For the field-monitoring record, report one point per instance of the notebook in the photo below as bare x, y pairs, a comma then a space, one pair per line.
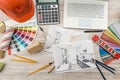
85, 14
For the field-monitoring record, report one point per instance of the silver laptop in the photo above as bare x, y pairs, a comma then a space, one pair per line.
85, 14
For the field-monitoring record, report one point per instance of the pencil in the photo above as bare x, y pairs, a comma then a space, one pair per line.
51, 69
21, 61
100, 71
105, 65
41, 68
31, 60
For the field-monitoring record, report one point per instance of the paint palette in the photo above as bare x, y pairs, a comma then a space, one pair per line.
112, 37
23, 36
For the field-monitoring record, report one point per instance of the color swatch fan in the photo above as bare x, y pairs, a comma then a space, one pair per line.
112, 37
23, 36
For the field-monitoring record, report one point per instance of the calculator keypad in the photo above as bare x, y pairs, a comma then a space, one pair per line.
48, 14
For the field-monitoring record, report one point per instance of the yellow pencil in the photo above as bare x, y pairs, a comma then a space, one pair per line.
31, 60
21, 61
41, 68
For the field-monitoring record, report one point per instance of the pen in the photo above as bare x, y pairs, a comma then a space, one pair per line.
93, 31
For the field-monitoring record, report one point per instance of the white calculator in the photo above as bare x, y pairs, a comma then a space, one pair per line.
47, 12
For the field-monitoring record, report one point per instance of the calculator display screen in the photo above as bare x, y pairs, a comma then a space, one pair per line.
46, 1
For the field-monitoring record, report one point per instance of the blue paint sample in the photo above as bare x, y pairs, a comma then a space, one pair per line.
22, 42
25, 45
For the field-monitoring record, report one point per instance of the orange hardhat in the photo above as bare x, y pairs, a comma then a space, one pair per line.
19, 10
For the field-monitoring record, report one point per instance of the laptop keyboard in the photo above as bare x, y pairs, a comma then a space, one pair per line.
86, 10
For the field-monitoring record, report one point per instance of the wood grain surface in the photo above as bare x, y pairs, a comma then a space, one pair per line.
19, 71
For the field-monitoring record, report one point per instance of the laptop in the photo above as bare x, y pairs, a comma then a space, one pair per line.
85, 14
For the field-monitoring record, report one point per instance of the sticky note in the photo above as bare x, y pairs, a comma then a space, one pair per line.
2, 64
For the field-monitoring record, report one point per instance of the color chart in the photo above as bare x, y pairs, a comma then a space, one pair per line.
112, 37
23, 36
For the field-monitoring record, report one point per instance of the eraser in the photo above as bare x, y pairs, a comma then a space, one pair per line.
2, 53
2, 27
35, 47
2, 65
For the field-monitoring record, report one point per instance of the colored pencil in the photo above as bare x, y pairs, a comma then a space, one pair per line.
41, 68
100, 71
28, 59
106, 67
21, 61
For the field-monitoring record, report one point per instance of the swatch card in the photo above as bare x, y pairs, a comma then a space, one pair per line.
112, 37
23, 36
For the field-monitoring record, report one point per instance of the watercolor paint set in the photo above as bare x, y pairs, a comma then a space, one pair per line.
111, 37
23, 36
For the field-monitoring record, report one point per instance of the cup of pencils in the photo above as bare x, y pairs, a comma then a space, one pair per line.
18, 10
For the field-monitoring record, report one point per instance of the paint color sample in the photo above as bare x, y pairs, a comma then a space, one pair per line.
106, 47
23, 36
112, 37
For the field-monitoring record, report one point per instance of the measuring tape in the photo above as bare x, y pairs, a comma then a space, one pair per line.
110, 50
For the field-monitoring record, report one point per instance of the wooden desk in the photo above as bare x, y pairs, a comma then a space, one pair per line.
19, 71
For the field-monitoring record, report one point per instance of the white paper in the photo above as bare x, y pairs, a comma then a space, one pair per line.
74, 56
57, 35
